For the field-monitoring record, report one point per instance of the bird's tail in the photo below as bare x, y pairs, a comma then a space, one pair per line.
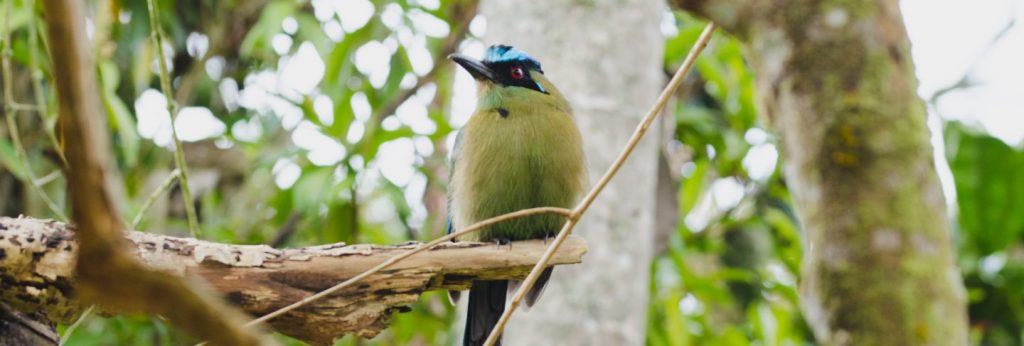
486, 304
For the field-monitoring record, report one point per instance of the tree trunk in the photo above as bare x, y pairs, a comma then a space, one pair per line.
837, 85
606, 57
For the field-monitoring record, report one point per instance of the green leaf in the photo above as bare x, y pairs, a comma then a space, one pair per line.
380, 136
110, 75
311, 31
119, 117
990, 191
257, 41
124, 124
9, 159
311, 189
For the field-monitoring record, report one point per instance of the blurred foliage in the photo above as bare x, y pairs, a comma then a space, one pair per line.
990, 197
259, 180
727, 275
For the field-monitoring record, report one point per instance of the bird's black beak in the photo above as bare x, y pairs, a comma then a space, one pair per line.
473, 66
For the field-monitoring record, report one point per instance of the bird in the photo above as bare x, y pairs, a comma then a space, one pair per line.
520, 149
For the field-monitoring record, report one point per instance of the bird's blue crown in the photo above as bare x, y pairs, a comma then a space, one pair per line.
502, 53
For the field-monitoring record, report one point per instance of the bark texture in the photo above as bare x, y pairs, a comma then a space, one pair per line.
837, 84
37, 261
606, 57
19, 328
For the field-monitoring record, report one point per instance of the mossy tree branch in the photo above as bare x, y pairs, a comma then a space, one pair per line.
837, 84
36, 258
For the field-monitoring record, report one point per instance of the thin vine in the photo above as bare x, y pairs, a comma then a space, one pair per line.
172, 107
11, 115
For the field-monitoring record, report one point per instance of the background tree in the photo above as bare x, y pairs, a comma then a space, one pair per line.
879, 268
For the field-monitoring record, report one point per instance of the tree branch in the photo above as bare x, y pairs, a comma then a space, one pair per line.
731, 15
36, 258
18, 328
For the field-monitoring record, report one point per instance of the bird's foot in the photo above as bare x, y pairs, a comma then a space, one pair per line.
503, 242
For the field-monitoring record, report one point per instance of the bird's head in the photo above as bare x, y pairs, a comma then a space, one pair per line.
505, 66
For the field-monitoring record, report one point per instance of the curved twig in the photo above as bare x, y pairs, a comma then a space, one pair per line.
572, 216
641, 129
473, 228
78, 322
164, 186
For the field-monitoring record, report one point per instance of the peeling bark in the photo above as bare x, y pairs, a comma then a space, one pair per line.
837, 84
37, 262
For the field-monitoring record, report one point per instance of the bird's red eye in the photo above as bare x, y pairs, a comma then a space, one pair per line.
517, 73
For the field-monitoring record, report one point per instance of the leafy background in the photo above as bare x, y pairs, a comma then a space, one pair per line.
356, 153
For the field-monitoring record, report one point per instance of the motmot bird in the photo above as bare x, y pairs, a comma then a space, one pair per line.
520, 149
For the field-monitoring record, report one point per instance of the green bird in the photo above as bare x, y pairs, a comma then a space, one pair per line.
520, 149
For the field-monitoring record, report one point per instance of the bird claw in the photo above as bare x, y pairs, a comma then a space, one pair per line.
503, 242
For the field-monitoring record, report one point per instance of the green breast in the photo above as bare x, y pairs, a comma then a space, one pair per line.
525, 159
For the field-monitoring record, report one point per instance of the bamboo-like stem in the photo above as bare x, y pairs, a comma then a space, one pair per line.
49, 178
638, 134
164, 186
11, 115
71, 329
172, 107
33, 182
473, 228
22, 107
37, 84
